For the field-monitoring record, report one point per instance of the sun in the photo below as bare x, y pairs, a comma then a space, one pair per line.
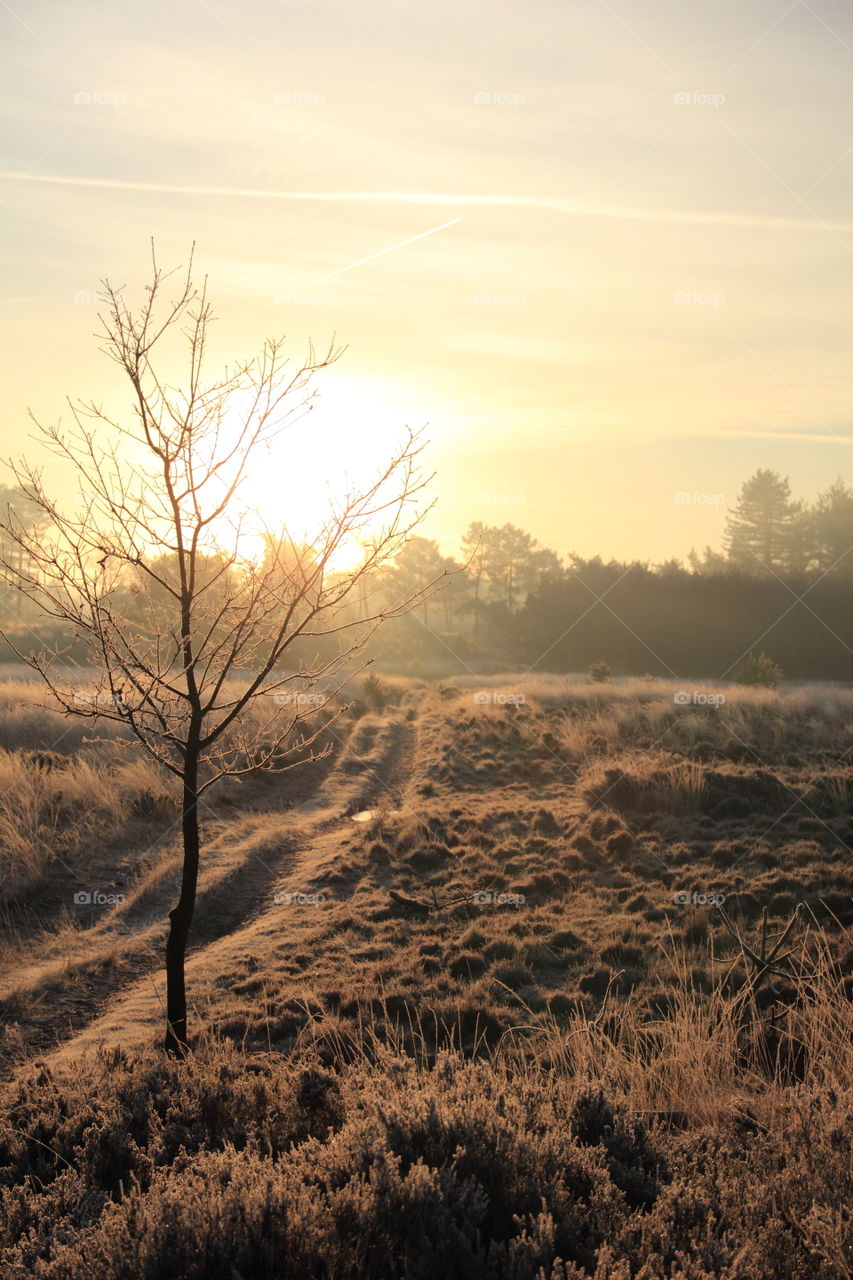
339, 445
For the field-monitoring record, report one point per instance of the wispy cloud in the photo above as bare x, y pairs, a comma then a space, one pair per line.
553, 204
778, 433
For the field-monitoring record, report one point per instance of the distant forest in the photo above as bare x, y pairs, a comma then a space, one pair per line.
781, 584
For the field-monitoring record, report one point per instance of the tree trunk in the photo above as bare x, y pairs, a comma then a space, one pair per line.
180, 917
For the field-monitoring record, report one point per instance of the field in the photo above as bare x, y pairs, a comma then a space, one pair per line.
485, 993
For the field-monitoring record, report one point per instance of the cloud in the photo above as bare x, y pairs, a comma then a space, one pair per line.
552, 204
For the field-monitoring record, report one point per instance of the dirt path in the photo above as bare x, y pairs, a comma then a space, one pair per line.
112, 989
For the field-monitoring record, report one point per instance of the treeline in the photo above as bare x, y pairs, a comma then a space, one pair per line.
673, 622
782, 584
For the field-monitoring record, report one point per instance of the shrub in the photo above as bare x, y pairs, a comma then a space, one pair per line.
609, 1146
761, 672
375, 692
600, 673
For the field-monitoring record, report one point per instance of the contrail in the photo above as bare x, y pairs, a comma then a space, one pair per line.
380, 253
804, 437
553, 204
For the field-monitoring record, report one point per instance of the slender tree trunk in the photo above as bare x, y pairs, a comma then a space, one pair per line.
181, 916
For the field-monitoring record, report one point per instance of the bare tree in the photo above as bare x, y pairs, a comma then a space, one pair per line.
187, 632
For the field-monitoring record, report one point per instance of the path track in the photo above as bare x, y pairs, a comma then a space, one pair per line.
65, 1007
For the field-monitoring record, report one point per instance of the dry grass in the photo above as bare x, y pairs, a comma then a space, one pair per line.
574, 1081
594, 720
676, 787
69, 787
582, 1156
65, 809
716, 1053
30, 720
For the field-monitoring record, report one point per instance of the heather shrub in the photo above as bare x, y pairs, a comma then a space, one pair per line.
758, 670
584, 1149
592, 1084
269, 1166
374, 692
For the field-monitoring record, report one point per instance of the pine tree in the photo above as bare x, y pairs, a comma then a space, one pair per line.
761, 532
832, 520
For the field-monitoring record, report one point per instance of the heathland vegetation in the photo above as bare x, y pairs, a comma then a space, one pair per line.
511, 1022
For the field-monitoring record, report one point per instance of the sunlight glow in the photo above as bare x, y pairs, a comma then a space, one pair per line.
338, 446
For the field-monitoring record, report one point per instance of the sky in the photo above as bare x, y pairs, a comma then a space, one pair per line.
602, 251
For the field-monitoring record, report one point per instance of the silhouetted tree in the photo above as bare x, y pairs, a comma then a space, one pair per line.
759, 531
832, 519
475, 553
508, 560
160, 518
419, 562
710, 561
17, 506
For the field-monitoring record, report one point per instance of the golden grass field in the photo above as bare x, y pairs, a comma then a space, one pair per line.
451, 1018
